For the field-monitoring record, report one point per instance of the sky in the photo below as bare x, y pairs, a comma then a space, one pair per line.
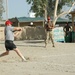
17, 8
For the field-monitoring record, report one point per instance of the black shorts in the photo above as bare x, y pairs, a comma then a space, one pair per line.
9, 45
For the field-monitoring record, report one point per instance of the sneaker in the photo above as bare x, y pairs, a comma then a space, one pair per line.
53, 46
24, 60
45, 45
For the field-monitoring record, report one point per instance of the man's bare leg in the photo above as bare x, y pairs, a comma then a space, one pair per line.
19, 53
4, 54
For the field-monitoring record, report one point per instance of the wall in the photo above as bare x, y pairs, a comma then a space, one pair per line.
35, 33
58, 34
1, 33
27, 33
31, 33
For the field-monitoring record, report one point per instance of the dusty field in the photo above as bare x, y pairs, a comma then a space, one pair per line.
42, 61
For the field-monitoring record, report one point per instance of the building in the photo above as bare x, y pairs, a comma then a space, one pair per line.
33, 28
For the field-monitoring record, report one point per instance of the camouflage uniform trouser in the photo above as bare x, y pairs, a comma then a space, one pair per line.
49, 36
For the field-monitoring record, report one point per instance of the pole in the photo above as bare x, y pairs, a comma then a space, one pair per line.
6, 9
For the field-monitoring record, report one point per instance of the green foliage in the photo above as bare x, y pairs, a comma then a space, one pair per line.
1, 9
39, 6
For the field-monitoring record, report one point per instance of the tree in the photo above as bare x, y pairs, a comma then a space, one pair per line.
1, 9
46, 8
56, 15
39, 7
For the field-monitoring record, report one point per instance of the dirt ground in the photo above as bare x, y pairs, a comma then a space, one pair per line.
41, 61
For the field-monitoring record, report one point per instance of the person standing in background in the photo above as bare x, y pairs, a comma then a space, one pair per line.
67, 29
67, 33
48, 29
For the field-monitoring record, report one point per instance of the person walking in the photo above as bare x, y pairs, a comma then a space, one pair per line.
9, 40
48, 29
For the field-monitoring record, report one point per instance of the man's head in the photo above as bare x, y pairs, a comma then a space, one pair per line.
8, 22
48, 18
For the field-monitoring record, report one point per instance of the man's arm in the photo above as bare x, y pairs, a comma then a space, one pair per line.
64, 29
17, 28
70, 28
50, 25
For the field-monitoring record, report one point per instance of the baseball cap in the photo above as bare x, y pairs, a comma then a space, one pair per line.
8, 22
48, 18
